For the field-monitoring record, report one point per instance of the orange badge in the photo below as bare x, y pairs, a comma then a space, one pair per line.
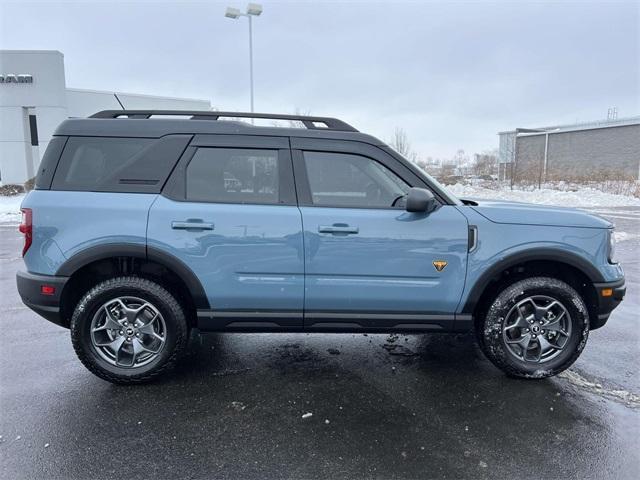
439, 264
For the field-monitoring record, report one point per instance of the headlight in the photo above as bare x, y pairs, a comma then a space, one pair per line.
612, 246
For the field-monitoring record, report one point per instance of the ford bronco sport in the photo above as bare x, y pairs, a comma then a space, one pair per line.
142, 228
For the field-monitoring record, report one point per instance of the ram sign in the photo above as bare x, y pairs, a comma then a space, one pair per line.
12, 78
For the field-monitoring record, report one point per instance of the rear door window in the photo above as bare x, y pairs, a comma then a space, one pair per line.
233, 175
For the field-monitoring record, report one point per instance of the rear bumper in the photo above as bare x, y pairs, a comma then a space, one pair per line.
606, 304
47, 306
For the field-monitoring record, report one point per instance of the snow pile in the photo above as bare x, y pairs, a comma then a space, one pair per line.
10, 208
624, 236
585, 197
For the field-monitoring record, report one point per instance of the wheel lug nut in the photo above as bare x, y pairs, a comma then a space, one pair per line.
526, 329
137, 334
121, 332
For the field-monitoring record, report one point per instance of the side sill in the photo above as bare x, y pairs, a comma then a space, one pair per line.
248, 321
330, 322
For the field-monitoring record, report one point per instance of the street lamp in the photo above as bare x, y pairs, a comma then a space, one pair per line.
253, 9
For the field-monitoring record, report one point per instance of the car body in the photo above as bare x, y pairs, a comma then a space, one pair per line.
317, 229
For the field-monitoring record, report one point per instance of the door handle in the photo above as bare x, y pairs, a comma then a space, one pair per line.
338, 228
192, 225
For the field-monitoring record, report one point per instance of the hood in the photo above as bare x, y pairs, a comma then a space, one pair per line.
528, 214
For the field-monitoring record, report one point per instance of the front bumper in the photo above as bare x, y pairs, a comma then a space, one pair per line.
47, 306
607, 303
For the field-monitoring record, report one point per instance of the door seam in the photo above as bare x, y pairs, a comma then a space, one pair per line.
304, 252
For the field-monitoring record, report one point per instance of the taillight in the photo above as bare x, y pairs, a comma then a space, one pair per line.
26, 228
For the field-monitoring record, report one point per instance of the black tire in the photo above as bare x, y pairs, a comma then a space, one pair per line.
176, 335
493, 343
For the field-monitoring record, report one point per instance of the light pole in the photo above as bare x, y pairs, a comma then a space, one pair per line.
253, 9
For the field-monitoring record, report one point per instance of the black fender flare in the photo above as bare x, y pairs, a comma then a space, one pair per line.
535, 254
172, 263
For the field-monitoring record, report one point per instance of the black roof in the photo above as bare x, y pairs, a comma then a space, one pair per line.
141, 123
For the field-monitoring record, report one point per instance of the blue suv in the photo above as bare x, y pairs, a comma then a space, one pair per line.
146, 224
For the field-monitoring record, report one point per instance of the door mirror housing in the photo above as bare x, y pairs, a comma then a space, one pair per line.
420, 200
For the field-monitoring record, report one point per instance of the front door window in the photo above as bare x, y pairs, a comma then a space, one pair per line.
352, 181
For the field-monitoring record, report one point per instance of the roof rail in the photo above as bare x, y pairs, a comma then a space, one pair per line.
311, 123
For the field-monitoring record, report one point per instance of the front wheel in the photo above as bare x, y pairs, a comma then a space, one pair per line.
128, 330
535, 328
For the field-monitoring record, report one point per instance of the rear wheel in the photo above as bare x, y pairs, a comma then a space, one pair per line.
535, 328
128, 330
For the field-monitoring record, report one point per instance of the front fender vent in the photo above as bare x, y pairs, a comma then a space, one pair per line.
473, 238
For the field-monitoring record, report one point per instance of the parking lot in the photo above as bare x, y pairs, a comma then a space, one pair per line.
423, 406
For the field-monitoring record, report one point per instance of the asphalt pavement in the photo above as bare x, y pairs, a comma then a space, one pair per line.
382, 406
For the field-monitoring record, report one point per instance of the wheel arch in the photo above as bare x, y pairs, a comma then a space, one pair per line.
96, 263
569, 267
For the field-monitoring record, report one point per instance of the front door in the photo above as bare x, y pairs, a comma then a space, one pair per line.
369, 263
229, 213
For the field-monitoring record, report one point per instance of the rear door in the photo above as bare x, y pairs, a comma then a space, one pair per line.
229, 213
369, 263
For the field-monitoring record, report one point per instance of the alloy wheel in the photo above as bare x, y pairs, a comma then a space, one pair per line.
128, 332
537, 329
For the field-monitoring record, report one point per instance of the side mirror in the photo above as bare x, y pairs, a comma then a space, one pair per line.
420, 200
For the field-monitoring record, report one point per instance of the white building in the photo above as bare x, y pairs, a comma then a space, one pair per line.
34, 99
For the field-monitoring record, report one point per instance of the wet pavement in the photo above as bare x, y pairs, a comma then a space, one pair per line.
408, 406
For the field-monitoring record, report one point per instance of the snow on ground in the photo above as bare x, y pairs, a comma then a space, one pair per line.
584, 198
624, 236
10, 209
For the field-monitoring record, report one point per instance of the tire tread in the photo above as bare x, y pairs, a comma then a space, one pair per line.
155, 289
490, 341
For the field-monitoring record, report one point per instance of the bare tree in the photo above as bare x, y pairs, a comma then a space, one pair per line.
447, 171
292, 123
400, 143
485, 163
300, 112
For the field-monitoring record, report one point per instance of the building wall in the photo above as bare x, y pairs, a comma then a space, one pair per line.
51, 102
45, 98
529, 157
609, 152
82, 103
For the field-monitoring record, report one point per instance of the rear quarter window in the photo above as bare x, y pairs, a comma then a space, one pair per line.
49, 163
115, 164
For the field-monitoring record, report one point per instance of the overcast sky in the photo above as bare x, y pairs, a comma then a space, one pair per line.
452, 74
